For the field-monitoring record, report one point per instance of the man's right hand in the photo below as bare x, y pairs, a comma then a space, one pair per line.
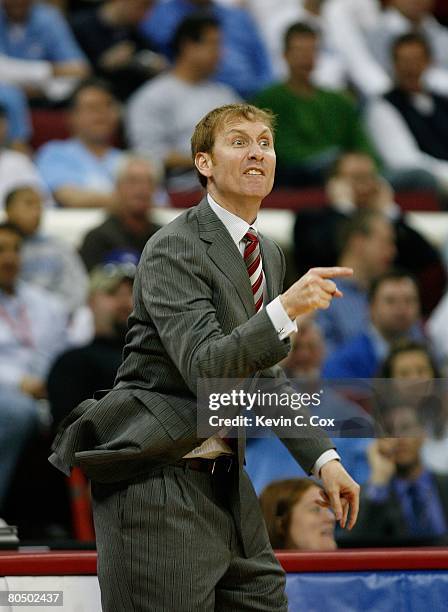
382, 465
313, 290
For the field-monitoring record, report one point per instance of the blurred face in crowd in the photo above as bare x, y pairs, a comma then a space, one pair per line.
404, 449
135, 188
413, 376
111, 309
377, 248
133, 11
410, 61
395, 308
301, 55
17, 10
25, 210
241, 165
307, 352
360, 173
94, 117
311, 527
203, 56
10, 244
415, 10
412, 365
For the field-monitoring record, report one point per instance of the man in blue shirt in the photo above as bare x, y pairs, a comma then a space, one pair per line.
394, 314
35, 31
368, 246
402, 501
245, 64
81, 171
37, 38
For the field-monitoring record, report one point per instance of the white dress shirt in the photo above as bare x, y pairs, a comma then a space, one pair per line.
237, 228
397, 145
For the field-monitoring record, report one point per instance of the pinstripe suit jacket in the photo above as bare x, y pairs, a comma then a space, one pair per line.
194, 317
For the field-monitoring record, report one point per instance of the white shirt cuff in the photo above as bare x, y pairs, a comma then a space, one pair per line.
327, 456
280, 320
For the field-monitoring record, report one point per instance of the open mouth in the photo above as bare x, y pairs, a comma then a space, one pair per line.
254, 172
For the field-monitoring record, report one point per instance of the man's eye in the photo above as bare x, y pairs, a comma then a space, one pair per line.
265, 143
238, 141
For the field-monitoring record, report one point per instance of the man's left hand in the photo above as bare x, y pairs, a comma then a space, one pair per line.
341, 492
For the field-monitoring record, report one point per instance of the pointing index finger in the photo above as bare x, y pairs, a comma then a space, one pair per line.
333, 272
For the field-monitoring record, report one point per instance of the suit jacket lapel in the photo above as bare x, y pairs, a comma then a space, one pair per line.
271, 273
225, 254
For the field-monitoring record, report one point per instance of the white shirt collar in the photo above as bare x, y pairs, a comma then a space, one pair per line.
236, 226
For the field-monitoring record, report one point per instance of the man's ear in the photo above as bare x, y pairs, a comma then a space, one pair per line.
203, 163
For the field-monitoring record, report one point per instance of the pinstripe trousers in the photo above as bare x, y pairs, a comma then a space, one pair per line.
167, 542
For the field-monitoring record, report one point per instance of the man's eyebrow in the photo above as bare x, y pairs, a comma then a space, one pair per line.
265, 131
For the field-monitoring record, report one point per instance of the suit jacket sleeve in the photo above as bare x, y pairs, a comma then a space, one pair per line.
177, 291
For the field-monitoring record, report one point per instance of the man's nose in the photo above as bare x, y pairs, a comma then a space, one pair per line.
256, 152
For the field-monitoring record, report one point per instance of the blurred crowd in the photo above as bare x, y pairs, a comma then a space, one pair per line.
98, 101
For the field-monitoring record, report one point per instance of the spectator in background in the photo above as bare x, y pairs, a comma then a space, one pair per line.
294, 516
109, 36
244, 64
16, 168
274, 17
35, 32
403, 17
413, 367
80, 171
79, 372
313, 125
46, 262
162, 114
368, 247
409, 125
32, 334
394, 313
128, 227
347, 23
403, 501
355, 185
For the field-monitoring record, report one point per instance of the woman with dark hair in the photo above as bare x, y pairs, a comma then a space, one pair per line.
295, 517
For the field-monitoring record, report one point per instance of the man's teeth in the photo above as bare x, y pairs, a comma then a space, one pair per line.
253, 172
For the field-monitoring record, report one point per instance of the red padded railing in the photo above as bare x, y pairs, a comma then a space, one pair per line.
362, 560
300, 199
84, 562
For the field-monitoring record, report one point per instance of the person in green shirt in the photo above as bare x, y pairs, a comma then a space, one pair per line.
314, 125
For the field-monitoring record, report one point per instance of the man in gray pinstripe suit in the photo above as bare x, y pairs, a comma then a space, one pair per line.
178, 524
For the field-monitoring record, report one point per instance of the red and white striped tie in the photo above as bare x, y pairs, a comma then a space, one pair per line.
252, 259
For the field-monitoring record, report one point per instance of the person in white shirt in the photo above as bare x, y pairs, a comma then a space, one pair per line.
409, 124
32, 333
405, 16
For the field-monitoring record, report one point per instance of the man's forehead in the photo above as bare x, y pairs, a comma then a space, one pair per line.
245, 125
397, 286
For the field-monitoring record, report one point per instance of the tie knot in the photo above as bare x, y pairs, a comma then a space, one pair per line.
251, 235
